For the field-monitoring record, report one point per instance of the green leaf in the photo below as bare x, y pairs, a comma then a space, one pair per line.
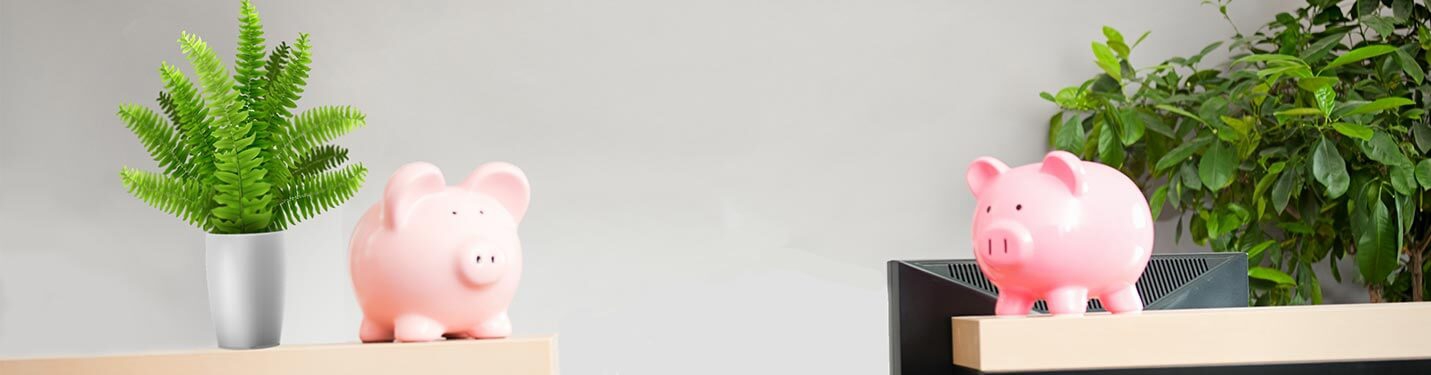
1421, 133
1357, 131
1360, 54
1188, 174
1272, 275
1180, 111
1402, 180
1243, 126
1217, 166
1401, 10
1379, 105
1382, 148
1301, 112
1112, 34
1070, 136
1141, 37
1264, 183
1323, 46
1179, 154
1133, 127
1271, 58
1110, 151
1326, 99
1367, 7
1259, 248
1410, 66
1329, 169
1382, 25
1107, 61
1158, 200
1376, 250
1120, 48
1423, 174
1155, 123
1312, 84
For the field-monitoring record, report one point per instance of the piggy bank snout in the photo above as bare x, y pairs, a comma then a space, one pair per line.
1004, 244
483, 263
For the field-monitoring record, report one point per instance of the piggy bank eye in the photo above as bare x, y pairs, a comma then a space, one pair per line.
454, 212
1019, 207
480, 212
987, 209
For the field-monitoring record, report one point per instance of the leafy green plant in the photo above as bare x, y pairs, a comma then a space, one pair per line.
1309, 146
235, 158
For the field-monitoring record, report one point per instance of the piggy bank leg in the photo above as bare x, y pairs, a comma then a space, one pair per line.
1122, 301
495, 328
1067, 301
413, 328
1013, 303
372, 332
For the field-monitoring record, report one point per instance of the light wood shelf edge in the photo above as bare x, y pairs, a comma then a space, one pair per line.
1196, 337
518, 356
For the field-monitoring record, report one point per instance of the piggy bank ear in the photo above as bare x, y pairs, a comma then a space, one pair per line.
982, 172
1068, 169
504, 182
409, 184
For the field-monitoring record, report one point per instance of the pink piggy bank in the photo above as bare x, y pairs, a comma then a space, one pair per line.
1063, 230
433, 261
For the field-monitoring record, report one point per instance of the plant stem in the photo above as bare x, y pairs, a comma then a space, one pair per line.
1416, 274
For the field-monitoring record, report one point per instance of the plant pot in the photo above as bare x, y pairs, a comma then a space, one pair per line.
245, 273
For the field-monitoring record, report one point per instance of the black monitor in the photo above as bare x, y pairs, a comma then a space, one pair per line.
925, 294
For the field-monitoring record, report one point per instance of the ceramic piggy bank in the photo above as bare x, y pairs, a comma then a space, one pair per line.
433, 261
1063, 230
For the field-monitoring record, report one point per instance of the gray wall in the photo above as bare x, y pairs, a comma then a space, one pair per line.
717, 184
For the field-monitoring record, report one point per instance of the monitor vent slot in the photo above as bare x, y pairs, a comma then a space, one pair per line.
1163, 276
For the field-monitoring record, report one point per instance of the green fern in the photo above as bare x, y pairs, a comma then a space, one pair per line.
191, 116
320, 159
187, 199
318, 193
319, 125
156, 135
234, 157
248, 65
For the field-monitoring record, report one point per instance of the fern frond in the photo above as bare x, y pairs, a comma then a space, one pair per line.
186, 199
272, 111
191, 116
223, 102
282, 97
306, 197
157, 136
278, 96
181, 150
319, 125
242, 194
166, 104
249, 59
320, 159
295, 74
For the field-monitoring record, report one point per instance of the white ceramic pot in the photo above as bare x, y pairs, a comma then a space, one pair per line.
245, 273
